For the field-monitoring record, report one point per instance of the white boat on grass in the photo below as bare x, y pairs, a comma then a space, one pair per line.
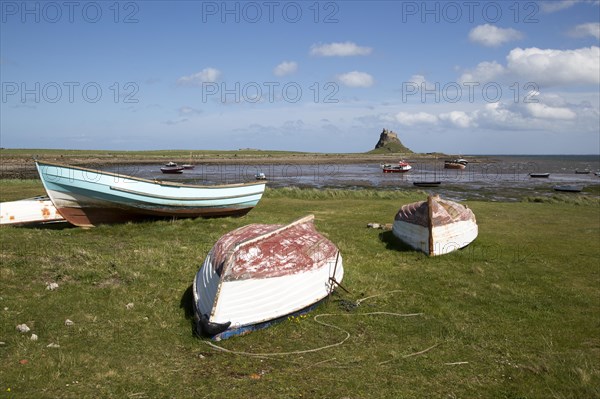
436, 226
88, 197
30, 211
260, 273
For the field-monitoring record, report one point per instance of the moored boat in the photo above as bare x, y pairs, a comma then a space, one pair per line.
539, 175
436, 226
569, 188
459, 163
260, 176
400, 168
88, 197
172, 168
428, 183
29, 211
261, 273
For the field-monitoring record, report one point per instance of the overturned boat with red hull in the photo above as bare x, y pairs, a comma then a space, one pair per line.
87, 197
260, 273
436, 226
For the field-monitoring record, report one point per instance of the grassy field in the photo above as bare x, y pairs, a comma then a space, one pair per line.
514, 315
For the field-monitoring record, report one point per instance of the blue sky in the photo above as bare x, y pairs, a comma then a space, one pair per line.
456, 77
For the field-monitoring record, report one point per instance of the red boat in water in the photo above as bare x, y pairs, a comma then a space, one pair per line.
400, 168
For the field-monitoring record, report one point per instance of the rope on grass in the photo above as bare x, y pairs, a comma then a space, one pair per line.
316, 318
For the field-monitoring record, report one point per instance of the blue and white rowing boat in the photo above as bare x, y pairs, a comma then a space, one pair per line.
88, 197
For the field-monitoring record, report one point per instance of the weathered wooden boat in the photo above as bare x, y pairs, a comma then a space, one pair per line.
30, 211
88, 197
539, 175
402, 167
569, 188
436, 226
432, 183
260, 273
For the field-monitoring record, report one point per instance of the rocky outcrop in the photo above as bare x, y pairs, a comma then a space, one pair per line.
389, 141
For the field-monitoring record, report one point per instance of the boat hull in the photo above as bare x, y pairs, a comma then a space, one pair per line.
396, 170
244, 293
87, 197
436, 226
445, 239
452, 165
31, 211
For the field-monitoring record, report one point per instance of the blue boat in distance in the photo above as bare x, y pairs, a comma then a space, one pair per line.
88, 197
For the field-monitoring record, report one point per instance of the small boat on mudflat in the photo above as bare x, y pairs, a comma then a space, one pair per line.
259, 274
402, 167
436, 226
459, 163
30, 211
569, 188
172, 168
88, 197
539, 175
433, 183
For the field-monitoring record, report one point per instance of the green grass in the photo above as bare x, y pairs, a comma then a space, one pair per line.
514, 315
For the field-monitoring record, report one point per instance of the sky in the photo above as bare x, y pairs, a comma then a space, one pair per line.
459, 77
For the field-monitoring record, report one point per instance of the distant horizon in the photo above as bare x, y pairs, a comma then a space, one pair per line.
295, 151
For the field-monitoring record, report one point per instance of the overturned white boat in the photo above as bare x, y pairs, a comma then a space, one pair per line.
29, 211
260, 273
436, 226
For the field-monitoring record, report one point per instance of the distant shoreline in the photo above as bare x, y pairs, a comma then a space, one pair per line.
19, 163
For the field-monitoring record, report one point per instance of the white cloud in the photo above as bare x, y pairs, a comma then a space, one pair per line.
483, 72
339, 50
458, 119
196, 79
188, 111
408, 119
285, 68
547, 112
589, 29
556, 67
553, 6
417, 79
543, 111
544, 67
492, 36
356, 79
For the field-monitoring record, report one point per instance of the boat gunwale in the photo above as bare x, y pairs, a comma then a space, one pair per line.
165, 197
155, 181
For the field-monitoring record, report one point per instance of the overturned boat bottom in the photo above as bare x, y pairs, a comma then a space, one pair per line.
219, 332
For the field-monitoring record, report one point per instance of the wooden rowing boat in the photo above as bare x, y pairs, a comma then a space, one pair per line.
88, 197
436, 226
261, 273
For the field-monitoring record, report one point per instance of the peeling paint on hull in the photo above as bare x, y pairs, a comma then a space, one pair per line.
436, 226
259, 273
37, 210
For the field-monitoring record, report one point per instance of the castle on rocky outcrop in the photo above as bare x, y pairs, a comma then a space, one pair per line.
389, 140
